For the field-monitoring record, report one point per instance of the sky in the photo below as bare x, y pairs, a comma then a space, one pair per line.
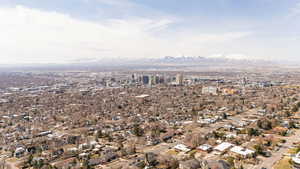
67, 31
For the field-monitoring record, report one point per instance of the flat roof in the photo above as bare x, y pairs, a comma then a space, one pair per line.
142, 96
223, 146
182, 147
296, 159
204, 147
241, 150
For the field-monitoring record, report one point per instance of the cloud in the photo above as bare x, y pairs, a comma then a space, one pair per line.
118, 3
295, 11
34, 36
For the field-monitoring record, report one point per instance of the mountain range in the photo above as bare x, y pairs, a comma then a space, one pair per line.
171, 63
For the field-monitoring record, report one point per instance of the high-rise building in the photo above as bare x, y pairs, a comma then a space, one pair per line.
152, 80
157, 79
145, 80
161, 79
179, 79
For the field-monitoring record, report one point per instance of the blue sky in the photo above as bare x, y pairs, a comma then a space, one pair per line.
51, 31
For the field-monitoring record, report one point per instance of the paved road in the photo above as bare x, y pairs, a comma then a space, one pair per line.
11, 166
7, 164
270, 162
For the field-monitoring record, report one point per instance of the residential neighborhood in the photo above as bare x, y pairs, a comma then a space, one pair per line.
122, 121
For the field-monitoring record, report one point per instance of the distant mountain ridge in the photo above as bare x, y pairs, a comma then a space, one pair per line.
170, 63
207, 60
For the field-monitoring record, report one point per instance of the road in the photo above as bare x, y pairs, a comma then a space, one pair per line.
276, 156
8, 164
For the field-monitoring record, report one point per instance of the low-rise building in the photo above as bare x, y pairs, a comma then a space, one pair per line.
296, 161
182, 147
205, 147
242, 152
223, 147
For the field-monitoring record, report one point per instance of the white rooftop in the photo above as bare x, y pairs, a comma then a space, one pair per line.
242, 151
182, 147
142, 96
204, 147
223, 146
231, 135
296, 159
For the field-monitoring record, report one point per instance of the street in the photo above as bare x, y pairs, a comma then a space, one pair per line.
276, 156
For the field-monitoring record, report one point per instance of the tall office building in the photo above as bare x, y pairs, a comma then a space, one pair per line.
161, 79
145, 80
152, 80
156, 77
179, 79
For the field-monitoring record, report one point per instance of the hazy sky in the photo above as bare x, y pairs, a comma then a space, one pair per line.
59, 31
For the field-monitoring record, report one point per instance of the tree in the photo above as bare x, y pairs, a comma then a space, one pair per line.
74, 162
259, 149
110, 138
168, 162
98, 135
194, 113
292, 124
128, 149
264, 124
137, 130
38, 164
295, 108
29, 160
155, 132
86, 164
218, 135
230, 161
298, 104
253, 132
287, 113
196, 140
224, 115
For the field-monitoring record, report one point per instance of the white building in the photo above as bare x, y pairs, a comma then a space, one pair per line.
142, 96
205, 147
245, 153
179, 79
182, 147
223, 146
210, 90
19, 152
296, 161
231, 135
